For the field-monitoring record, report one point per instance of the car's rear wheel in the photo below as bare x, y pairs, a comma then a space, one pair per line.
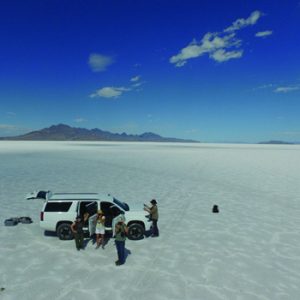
135, 231
64, 231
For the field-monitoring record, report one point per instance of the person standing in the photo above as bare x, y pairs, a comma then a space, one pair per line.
77, 229
100, 229
120, 238
153, 210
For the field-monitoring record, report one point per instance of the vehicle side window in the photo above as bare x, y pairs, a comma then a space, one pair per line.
115, 211
58, 206
110, 211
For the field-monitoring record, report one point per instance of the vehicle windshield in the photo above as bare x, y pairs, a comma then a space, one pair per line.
123, 205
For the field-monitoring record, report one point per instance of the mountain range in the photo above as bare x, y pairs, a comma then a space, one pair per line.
63, 132
273, 142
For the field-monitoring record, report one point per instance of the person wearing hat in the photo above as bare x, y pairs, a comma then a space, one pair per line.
121, 231
77, 229
153, 210
100, 229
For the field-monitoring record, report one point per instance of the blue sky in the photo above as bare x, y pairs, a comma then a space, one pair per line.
213, 71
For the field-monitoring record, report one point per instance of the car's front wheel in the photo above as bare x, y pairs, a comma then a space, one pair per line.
64, 231
135, 231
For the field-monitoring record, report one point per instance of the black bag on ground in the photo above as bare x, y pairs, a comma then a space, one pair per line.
11, 222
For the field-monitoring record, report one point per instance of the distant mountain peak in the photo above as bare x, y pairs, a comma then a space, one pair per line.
60, 126
150, 135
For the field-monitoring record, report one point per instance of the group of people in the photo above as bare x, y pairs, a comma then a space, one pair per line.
121, 230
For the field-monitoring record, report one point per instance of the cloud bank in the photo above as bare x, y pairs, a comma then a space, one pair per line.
220, 46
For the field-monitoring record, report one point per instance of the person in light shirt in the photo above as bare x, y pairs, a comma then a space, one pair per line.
100, 229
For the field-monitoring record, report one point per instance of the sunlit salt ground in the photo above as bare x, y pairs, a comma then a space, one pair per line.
250, 250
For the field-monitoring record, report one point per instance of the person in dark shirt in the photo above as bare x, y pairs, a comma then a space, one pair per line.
77, 229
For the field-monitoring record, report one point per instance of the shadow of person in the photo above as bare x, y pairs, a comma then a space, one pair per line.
85, 242
50, 233
148, 233
127, 252
105, 241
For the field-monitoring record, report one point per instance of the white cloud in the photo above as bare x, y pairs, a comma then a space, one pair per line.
109, 92
79, 120
291, 133
286, 89
264, 33
115, 92
191, 131
221, 55
11, 114
138, 84
135, 79
241, 23
264, 86
9, 130
279, 88
99, 62
8, 127
12, 128
218, 45
213, 44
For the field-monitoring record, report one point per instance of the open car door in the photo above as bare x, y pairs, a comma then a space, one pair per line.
92, 224
92, 209
115, 220
43, 195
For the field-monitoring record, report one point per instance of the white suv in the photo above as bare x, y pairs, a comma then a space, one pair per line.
60, 210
